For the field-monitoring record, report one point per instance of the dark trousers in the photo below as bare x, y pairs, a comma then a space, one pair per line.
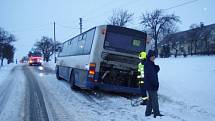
152, 103
143, 92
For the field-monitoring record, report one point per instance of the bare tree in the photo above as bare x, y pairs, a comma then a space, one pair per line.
120, 18
47, 46
6, 48
157, 22
194, 35
173, 43
206, 34
170, 29
8, 51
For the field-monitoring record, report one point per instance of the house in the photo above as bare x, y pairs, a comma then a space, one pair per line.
200, 40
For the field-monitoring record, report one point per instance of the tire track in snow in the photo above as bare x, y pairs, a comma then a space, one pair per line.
95, 102
55, 109
35, 109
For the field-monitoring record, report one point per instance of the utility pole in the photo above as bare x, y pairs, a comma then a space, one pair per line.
54, 45
80, 25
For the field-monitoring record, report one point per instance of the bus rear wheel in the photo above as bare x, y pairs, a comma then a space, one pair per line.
57, 74
72, 81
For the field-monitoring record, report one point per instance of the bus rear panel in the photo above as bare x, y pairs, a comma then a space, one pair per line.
118, 68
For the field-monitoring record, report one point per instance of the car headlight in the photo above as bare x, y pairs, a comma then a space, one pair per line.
41, 61
30, 61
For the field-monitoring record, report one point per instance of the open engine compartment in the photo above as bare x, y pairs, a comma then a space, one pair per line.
119, 71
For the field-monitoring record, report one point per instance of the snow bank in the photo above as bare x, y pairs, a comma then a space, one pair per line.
188, 77
188, 85
4, 71
50, 64
13, 86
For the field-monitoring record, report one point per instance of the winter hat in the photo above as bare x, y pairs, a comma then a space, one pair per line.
151, 53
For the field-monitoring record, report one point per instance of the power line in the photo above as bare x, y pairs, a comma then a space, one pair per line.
129, 3
179, 5
132, 2
100, 7
66, 26
68, 37
109, 10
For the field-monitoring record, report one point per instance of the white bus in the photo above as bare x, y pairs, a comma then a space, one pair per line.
104, 57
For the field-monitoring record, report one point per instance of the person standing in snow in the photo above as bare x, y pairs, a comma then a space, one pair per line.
151, 84
142, 57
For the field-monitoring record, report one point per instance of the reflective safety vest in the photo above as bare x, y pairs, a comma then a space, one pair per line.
141, 72
142, 56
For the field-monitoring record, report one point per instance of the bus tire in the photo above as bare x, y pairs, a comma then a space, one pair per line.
72, 81
57, 74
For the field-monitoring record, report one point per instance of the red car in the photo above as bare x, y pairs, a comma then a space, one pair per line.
35, 58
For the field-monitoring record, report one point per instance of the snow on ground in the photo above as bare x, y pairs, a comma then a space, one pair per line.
186, 94
188, 83
86, 107
12, 83
191, 78
4, 71
50, 64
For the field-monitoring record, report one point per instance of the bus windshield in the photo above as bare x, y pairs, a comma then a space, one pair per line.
125, 40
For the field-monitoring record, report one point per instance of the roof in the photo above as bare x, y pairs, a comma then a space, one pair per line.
186, 35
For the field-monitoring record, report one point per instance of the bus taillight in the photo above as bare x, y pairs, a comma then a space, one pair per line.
92, 72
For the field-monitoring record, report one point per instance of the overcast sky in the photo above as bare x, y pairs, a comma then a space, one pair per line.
29, 20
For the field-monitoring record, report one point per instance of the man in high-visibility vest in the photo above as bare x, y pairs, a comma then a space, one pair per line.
142, 57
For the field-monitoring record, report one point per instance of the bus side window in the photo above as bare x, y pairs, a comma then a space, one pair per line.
62, 53
89, 41
81, 43
72, 47
82, 37
67, 48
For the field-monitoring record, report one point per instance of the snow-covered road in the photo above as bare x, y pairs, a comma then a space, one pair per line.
34, 94
12, 93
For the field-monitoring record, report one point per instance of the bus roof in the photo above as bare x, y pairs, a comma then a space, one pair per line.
115, 28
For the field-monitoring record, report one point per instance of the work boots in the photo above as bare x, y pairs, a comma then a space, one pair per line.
158, 115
